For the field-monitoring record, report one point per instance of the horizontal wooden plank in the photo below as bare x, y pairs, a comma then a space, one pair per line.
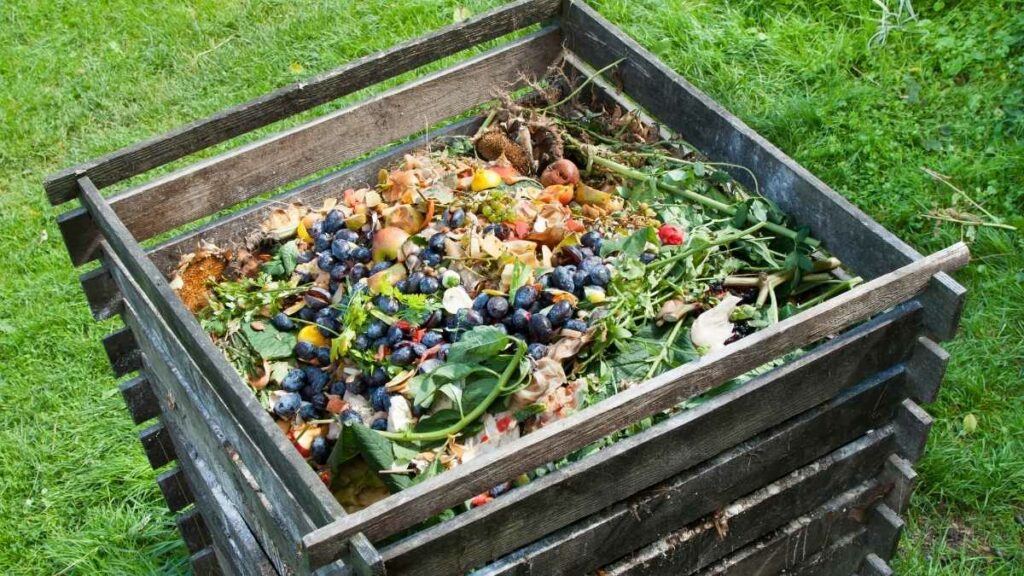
265, 110
842, 557
695, 546
611, 475
156, 443
176, 491
847, 231
803, 537
204, 563
138, 397
231, 229
636, 521
309, 491
101, 293
122, 352
419, 502
193, 530
210, 185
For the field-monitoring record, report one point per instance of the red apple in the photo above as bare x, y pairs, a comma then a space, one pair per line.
560, 172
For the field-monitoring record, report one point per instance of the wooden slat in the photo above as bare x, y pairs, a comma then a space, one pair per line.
101, 293
802, 537
138, 397
204, 563
603, 479
419, 502
156, 443
307, 488
927, 369
848, 232
208, 186
901, 478
191, 412
228, 230
123, 352
193, 530
884, 530
873, 565
842, 557
914, 424
755, 515
267, 109
175, 489
238, 552
634, 522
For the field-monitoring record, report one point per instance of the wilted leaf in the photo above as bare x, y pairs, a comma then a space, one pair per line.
970, 424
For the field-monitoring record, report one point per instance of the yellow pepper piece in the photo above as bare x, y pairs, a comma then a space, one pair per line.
312, 335
303, 233
484, 179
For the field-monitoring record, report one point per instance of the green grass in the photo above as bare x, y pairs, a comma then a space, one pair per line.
80, 79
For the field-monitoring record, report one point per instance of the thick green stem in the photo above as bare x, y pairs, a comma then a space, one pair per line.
717, 242
466, 420
639, 176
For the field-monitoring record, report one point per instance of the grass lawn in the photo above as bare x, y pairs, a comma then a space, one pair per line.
944, 92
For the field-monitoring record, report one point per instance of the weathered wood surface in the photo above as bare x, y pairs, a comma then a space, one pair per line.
204, 563
848, 232
156, 443
602, 479
419, 502
873, 565
305, 95
122, 352
195, 414
900, 475
175, 489
884, 530
138, 397
636, 521
927, 369
842, 557
240, 403
208, 186
237, 550
757, 514
914, 424
229, 230
193, 530
803, 537
101, 293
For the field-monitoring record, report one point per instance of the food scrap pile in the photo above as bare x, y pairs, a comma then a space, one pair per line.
493, 285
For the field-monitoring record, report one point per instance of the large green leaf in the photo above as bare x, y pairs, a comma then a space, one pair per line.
270, 343
379, 455
477, 345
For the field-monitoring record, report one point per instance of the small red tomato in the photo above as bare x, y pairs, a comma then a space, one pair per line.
481, 499
670, 235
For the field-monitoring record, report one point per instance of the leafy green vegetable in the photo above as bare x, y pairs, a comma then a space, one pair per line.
269, 343
379, 455
284, 261
479, 344
631, 246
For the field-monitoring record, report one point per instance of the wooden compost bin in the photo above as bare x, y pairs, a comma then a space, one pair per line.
804, 469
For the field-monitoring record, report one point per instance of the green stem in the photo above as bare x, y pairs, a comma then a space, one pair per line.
409, 436
664, 351
626, 171
717, 242
841, 287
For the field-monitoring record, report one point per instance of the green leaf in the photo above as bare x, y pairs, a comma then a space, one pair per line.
476, 391
344, 450
379, 455
284, 261
480, 343
434, 469
527, 411
519, 275
630, 246
269, 343
633, 359
438, 421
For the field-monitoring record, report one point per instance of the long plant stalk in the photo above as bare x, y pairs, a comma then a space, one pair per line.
627, 172
467, 419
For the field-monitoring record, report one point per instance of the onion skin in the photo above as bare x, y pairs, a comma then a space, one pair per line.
561, 171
